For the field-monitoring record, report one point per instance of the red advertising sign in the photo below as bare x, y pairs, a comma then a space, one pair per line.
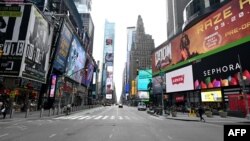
226, 25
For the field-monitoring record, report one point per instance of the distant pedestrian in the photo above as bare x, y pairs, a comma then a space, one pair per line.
201, 112
4, 110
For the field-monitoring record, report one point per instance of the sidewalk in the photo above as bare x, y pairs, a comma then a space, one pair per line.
215, 118
20, 116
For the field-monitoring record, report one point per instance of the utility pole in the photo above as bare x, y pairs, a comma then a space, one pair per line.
244, 89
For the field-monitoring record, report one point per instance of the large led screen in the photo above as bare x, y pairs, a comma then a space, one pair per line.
76, 61
63, 48
211, 96
222, 29
180, 80
144, 78
159, 84
88, 74
223, 69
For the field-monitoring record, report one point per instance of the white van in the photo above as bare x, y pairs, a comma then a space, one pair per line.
141, 106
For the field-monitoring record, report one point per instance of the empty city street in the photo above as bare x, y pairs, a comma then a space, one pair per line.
110, 123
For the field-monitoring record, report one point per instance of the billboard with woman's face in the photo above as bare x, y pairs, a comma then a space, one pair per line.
76, 60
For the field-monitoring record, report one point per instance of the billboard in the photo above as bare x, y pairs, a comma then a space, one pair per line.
222, 29
180, 80
14, 21
76, 60
211, 96
88, 75
38, 43
144, 79
143, 95
63, 47
157, 81
109, 80
53, 86
25, 42
223, 69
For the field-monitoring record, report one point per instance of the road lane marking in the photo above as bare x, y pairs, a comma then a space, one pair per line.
83, 117
74, 117
90, 117
127, 117
110, 136
98, 117
52, 135
170, 137
105, 117
6, 134
112, 117
120, 118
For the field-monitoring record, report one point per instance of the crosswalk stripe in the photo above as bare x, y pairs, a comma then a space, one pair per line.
74, 117
127, 117
90, 117
83, 117
120, 118
105, 117
98, 117
112, 117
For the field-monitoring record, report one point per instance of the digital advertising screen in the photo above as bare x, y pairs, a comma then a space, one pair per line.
227, 26
63, 48
211, 96
53, 86
143, 95
144, 78
180, 80
223, 69
76, 61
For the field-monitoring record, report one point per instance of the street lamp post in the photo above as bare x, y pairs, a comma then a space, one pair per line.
162, 95
244, 89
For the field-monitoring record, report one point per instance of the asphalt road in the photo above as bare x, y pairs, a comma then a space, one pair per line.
110, 124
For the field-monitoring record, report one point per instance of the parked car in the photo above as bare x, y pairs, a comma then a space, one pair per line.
120, 105
141, 106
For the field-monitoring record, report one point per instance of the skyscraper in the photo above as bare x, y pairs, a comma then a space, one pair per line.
140, 54
108, 61
175, 16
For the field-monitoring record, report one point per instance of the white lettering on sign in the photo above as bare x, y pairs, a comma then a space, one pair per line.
236, 132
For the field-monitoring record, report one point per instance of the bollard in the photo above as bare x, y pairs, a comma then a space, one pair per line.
12, 112
41, 112
27, 113
49, 112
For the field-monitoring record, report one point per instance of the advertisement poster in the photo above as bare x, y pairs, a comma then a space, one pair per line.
52, 86
180, 80
76, 61
109, 80
39, 37
223, 69
88, 74
143, 95
14, 21
159, 83
144, 80
211, 96
63, 48
229, 24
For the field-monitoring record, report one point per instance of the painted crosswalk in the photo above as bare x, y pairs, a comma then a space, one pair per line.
97, 117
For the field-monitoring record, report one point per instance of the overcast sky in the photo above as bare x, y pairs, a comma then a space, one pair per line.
124, 13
